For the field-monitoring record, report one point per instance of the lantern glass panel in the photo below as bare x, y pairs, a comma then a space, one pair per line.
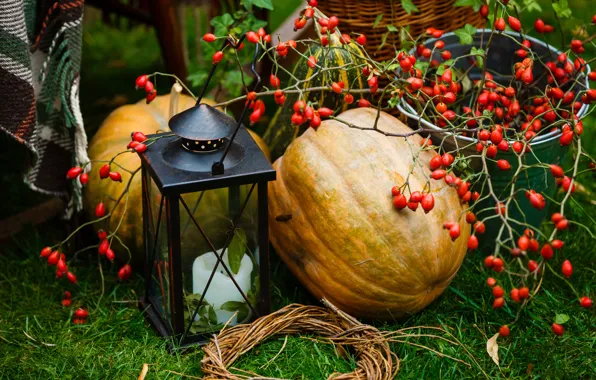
157, 243
229, 219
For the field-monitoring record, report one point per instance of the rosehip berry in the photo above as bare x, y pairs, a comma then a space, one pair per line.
427, 203
71, 277
395, 191
116, 176
557, 244
514, 23
104, 245
472, 242
141, 81
532, 266
110, 255
125, 272
45, 252
325, 112
491, 282
547, 251
149, 87
504, 331
84, 179
209, 37
61, 266
479, 227
81, 313
558, 329
361, 39
503, 164
363, 103
349, 98
567, 268
498, 292
140, 148
150, 96
489, 261
539, 25
498, 303
585, 302
66, 303
73, 172
524, 292
217, 57
500, 24
104, 171
100, 210
400, 202
53, 258
515, 295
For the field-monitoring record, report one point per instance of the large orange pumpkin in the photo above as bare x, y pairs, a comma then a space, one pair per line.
345, 241
112, 138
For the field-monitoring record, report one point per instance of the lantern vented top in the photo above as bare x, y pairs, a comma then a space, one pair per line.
201, 124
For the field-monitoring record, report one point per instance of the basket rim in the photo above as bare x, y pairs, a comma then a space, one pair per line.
411, 113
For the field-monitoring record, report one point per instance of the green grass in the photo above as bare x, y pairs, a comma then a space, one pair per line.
38, 340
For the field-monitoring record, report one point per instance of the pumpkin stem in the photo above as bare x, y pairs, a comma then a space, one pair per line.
174, 97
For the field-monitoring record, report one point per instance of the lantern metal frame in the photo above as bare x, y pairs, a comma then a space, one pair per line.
177, 171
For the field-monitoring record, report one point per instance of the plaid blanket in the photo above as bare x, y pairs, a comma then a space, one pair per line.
40, 57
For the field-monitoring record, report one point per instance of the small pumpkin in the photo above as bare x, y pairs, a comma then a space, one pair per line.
111, 138
345, 241
280, 132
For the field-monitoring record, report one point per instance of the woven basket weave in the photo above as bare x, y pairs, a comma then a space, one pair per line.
359, 16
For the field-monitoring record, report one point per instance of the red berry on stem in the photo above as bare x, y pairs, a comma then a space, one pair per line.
149, 88
209, 37
524, 292
66, 302
362, 103
81, 313
141, 148
217, 57
141, 81
150, 96
504, 331
139, 136
498, 292
500, 24
110, 255
585, 302
53, 258
104, 245
104, 171
514, 23
454, 232
491, 282
567, 268
116, 176
515, 295
71, 277
100, 210
125, 272
84, 178
472, 242
73, 172
427, 203
45, 252
558, 329
498, 303
532, 266
361, 39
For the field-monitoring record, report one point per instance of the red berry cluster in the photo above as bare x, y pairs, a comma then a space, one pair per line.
144, 83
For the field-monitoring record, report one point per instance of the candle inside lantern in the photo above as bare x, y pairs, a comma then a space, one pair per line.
222, 288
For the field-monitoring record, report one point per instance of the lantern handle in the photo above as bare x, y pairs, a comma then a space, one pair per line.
227, 42
218, 166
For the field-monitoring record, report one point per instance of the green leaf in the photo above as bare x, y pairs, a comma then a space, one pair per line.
393, 101
561, 7
479, 53
532, 5
263, 4
408, 6
561, 318
377, 20
243, 313
392, 28
383, 40
466, 34
475, 4
232, 305
221, 24
236, 250
246, 4
212, 316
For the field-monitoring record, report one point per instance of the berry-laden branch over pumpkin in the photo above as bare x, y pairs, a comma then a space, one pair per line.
491, 116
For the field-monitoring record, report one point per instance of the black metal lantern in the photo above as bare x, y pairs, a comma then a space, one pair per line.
205, 225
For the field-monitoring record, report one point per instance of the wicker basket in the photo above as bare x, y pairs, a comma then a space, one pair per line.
359, 16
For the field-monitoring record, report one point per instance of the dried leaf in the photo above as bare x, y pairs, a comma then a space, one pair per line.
492, 347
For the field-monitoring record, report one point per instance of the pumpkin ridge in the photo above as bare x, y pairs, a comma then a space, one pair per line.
371, 227
347, 264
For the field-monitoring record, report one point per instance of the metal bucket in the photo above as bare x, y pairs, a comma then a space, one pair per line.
545, 148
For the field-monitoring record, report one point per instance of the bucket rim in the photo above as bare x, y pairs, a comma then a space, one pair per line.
411, 113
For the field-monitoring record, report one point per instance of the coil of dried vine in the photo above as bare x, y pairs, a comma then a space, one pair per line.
371, 347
